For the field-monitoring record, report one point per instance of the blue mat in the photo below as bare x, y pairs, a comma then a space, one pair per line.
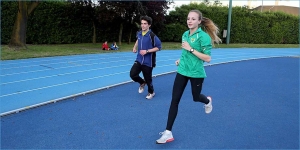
256, 106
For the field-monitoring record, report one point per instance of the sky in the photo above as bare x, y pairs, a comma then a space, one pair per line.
254, 3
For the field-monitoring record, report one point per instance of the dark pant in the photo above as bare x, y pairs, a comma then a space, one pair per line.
136, 69
178, 88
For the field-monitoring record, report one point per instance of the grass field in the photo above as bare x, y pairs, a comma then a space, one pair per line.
35, 51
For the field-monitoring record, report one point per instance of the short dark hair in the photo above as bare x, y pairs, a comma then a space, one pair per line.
146, 18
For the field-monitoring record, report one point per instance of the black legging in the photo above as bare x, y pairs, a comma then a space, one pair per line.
136, 69
178, 88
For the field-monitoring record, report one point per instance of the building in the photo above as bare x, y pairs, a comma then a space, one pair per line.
278, 8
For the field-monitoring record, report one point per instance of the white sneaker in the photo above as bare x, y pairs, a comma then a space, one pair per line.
166, 137
150, 96
208, 107
141, 88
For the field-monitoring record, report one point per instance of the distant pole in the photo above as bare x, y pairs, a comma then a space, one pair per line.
262, 5
229, 22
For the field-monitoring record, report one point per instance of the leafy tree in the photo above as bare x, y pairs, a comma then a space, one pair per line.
157, 10
206, 2
217, 3
127, 13
18, 36
88, 13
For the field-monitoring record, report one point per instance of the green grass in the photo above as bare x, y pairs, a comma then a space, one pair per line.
35, 51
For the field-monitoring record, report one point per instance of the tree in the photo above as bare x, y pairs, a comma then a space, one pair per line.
217, 3
157, 10
127, 13
89, 13
18, 36
120, 12
206, 2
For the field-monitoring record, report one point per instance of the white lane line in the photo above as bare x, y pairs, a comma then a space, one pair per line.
126, 56
56, 58
109, 86
97, 56
3, 75
61, 62
109, 62
80, 80
231, 61
62, 74
72, 57
63, 84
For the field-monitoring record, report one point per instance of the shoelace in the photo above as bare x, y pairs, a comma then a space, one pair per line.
206, 106
161, 133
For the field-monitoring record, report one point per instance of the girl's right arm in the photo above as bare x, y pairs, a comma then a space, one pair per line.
177, 62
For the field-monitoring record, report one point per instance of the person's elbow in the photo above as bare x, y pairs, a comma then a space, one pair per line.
159, 47
207, 59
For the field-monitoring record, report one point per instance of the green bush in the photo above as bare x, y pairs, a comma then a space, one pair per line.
8, 16
64, 22
247, 26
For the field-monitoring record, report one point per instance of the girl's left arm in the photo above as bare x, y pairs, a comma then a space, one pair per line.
202, 56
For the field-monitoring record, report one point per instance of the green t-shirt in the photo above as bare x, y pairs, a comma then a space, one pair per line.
190, 65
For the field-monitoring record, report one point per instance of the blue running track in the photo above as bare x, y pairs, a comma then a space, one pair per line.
33, 82
256, 106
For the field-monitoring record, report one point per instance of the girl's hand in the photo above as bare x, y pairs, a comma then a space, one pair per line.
186, 46
177, 62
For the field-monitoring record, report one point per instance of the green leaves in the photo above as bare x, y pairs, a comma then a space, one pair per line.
58, 22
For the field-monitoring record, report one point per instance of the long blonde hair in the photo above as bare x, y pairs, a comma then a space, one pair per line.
209, 27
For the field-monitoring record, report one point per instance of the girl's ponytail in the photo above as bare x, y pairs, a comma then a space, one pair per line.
212, 30
209, 27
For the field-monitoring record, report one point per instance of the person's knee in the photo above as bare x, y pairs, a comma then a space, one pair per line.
195, 97
133, 75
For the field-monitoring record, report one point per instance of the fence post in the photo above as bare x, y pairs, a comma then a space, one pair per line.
229, 22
